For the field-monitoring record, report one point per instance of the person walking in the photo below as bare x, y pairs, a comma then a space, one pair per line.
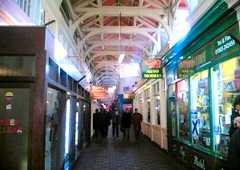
102, 122
136, 120
107, 121
234, 147
96, 123
126, 124
235, 114
115, 123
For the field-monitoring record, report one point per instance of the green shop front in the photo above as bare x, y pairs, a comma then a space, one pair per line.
203, 82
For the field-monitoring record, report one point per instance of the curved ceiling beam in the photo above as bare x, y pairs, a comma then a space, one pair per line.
113, 53
118, 29
97, 67
106, 77
120, 10
109, 74
93, 42
123, 30
125, 44
104, 68
114, 77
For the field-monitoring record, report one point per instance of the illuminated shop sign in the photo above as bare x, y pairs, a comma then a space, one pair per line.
186, 66
98, 92
151, 69
224, 44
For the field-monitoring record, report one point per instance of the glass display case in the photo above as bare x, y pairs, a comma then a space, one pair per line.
182, 109
200, 123
226, 87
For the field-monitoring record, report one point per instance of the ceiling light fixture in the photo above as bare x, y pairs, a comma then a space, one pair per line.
121, 57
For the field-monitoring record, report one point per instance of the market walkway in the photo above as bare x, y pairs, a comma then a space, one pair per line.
122, 155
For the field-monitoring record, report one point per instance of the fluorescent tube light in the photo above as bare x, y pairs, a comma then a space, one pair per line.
121, 57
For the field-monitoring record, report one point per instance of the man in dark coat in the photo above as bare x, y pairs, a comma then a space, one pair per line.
137, 120
234, 147
96, 123
235, 113
126, 124
115, 123
108, 118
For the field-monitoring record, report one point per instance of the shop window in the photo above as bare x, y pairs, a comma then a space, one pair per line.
156, 102
52, 119
141, 102
148, 112
182, 109
199, 109
63, 78
157, 110
69, 83
24, 5
147, 98
53, 70
172, 109
226, 87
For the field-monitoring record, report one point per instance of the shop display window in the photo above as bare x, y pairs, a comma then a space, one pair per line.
172, 109
157, 110
226, 87
141, 102
52, 127
157, 102
182, 91
147, 98
200, 123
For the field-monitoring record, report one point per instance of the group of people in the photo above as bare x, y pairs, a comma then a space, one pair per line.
120, 121
101, 122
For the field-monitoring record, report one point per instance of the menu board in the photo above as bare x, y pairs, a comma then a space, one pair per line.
14, 118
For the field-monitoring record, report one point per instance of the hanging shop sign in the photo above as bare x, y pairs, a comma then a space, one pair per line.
151, 69
186, 66
98, 92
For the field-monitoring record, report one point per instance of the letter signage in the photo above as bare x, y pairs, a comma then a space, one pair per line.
151, 69
224, 44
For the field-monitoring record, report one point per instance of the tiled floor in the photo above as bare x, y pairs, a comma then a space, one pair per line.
117, 154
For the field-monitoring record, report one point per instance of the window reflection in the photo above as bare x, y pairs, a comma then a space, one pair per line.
199, 109
226, 88
182, 109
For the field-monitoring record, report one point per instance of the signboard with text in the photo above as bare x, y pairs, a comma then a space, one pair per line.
98, 92
151, 69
